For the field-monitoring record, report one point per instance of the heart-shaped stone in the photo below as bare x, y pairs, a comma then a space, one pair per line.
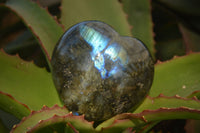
99, 73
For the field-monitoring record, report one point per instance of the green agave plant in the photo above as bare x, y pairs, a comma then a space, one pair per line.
27, 91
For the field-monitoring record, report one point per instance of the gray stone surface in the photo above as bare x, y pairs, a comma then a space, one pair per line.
99, 73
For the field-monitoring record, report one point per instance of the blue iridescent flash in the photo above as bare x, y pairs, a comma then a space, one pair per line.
75, 113
99, 43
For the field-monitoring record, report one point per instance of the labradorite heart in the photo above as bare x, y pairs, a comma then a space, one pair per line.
99, 73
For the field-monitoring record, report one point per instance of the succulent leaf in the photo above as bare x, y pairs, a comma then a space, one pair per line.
167, 102
180, 76
195, 94
153, 110
139, 17
40, 22
75, 123
110, 12
38, 116
123, 121
128, 120
26, 82
11, 105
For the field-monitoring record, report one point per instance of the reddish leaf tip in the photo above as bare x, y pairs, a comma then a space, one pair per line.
44, 107
159, 62
195, 98
40, 121
14, 126
177, 96
143, 118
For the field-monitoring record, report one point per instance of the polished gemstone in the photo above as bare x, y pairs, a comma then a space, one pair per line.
99, 73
